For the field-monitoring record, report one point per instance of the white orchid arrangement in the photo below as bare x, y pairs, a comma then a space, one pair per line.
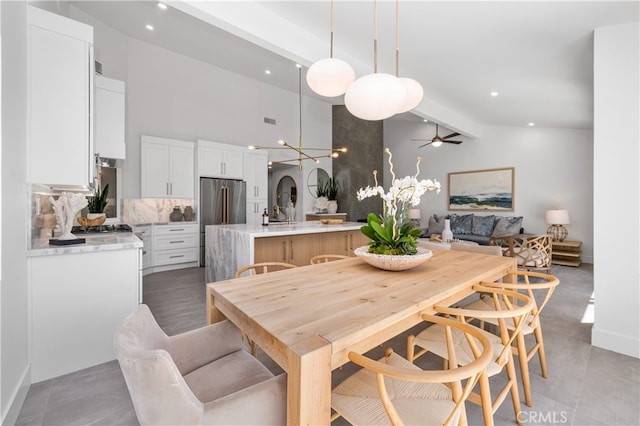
392, 233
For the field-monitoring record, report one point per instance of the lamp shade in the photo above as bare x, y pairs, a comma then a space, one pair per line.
330, 77
557, 217
414, 214
375, 96
414, 94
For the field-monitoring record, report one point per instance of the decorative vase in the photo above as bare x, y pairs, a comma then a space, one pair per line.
188, 213
332, 207
175, 215
447, 235
92, 216
393, 263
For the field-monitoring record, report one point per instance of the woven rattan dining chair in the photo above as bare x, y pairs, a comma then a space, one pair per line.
543, 288
260, 268
263, 268
323, 258
511, 307
397, 391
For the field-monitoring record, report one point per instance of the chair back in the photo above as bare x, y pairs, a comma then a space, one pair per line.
530, 251
508, 305
543, 286
157, 389
324, 258
263, 268
396, 367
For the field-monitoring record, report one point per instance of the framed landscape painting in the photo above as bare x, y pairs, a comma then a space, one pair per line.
490, 190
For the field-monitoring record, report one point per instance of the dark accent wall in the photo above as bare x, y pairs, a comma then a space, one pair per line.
354, 170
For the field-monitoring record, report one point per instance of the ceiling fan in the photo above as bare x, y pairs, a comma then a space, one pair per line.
437, 140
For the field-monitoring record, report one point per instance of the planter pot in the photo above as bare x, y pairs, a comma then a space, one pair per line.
393, 263
93, 216
332, 207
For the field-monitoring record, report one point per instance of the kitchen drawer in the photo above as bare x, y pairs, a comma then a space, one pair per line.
176, 241
188, 228
171, 257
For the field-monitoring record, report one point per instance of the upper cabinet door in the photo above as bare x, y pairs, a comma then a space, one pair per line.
256, 174
219, 161
60, 97
154, 170
166, 168
109, 118
181, 171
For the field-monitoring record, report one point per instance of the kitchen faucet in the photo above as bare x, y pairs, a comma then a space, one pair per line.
289, 209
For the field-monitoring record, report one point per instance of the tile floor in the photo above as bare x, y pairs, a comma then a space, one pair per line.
586, 385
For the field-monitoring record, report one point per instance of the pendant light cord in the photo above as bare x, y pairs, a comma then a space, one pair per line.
331, 41
397, 41
375, 36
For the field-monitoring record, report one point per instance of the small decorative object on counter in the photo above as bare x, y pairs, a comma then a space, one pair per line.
265, 218
188, 213
67, 207
175, 215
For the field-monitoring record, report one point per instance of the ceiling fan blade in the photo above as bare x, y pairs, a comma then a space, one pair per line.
420, 139
452, 135
425, 144
455, 142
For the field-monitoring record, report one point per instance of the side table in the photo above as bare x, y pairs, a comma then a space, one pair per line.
568, 253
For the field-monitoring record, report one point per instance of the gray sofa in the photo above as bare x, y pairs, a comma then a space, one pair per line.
473, 227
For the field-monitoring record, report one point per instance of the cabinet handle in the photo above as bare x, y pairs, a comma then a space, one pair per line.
176, 242
171, 186
291, 249
221, 168
176, 229
284, 251
351, 240
168, 193
173, 257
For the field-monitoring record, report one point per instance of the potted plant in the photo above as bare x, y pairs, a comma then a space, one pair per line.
97, 203
332, 187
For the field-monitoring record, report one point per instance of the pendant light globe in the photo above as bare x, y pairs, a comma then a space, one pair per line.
414, 94
375, 96
330, 77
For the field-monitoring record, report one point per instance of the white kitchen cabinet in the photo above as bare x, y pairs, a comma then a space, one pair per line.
256, 174
77, 302
145, 233
60, 74
220, 160
166, 168
175, 246
255, 208
109, 118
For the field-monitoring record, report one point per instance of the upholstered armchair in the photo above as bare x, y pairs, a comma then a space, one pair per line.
204, 376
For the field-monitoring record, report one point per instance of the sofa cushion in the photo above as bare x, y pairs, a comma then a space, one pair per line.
470, 237
436, 224
482, 225
506, 226
461, 224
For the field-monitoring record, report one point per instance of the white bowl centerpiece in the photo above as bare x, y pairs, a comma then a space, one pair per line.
392, 234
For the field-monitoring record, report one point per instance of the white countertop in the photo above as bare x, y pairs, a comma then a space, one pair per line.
283, 228
101, 242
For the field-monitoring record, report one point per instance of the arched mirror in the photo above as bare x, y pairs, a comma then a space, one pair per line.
316, 176
287, 190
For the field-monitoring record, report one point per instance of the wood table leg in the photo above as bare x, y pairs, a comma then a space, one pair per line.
213, 314
309, 383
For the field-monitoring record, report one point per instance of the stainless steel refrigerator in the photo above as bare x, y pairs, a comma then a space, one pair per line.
222, 201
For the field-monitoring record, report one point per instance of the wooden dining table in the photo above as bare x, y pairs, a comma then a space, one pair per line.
307, 319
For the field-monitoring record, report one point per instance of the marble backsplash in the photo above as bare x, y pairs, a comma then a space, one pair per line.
153, 210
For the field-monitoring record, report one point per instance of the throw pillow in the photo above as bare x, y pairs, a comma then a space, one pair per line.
461, 224
507, 226
436, 224
483, 225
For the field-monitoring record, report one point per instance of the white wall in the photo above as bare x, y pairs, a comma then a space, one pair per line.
553, 169
617, 189
14, 297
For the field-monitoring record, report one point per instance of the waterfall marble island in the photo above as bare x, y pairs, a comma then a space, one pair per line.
230, 247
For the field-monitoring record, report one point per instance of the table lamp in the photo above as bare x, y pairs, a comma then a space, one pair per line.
557, 218
414, 217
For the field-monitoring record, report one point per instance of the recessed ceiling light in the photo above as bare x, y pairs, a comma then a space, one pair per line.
149, 27
298, 66
267, 72
425, 120
531, 124
162, 6
494, 94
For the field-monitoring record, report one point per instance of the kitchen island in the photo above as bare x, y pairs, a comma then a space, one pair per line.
230, 247
79, 295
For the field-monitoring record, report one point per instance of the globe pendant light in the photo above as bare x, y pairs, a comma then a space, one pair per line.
375, 96
413, 88
330, 76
